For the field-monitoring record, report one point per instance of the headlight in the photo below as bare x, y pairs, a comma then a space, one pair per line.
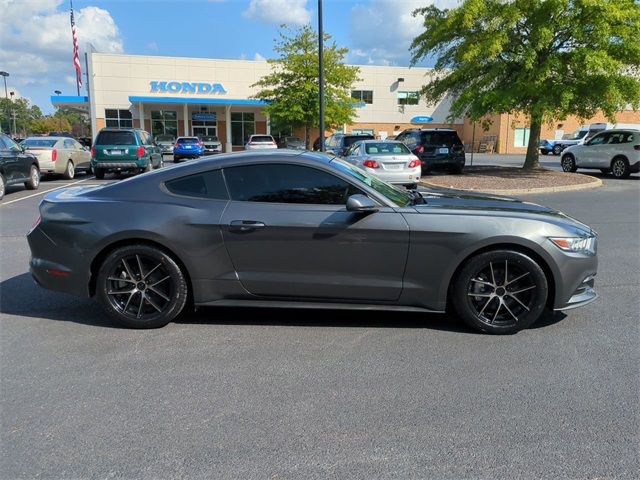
585, 245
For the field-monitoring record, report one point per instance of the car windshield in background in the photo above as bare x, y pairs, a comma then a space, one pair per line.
165, 138
294, 140
348, 141
209, 139
39, 142
188, 140
440, 138
386, 148
115, 138
401, 198
261, 139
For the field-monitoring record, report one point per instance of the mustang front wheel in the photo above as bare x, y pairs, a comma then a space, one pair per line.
141, 287
501, 291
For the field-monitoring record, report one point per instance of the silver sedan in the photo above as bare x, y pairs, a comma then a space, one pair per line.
390, 161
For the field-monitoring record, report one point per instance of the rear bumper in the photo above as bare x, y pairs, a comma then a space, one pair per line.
404, 177
442, 161
119, 165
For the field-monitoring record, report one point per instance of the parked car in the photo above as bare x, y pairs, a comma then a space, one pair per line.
124, 150
339, 143
187, 147
59, 155
292, 143
390, 161
437, 148
260, 142
211, 144
286, 228
165, 142
612, 151
17, 166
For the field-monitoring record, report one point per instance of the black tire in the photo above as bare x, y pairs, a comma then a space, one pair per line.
3, 186
557, 150
544, 152
34, 178
176, 159
499, 306
411, 186
620, 167
568, 163
69, 171
99, 173
141, 287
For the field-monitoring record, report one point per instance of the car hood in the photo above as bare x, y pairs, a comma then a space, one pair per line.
494, 204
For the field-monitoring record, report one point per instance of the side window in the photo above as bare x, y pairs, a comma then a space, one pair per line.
3, 144
68, 143
599, 139
10, 144
148, 140
278, 183
201, 185
143, 138
410, 140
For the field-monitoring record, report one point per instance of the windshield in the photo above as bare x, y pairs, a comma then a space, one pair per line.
261, 138
577, 135
39, 142
210, 139
386, 148
398, 196
187, 140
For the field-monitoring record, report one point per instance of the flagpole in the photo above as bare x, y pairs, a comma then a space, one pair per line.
78, 78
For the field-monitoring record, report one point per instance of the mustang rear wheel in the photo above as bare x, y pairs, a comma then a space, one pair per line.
501, 291
141, 287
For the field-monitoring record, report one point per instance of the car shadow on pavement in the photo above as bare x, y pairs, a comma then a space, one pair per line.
20, 296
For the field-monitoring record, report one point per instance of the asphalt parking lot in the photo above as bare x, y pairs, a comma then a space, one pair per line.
277, 394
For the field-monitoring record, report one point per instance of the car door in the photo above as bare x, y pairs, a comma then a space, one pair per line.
8, 159
18, 163
289, 234
68, 151
81, 155
594, 152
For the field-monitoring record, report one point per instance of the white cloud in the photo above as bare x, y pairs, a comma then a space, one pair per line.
382, 30
291, 12
258, 58
35, 39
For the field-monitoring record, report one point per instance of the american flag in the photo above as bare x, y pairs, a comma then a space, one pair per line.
76, 51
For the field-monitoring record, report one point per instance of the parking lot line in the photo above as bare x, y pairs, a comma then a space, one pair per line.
45, 191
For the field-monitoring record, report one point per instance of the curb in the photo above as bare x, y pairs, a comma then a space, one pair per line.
523, 191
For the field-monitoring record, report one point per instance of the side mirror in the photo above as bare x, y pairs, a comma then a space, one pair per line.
361, 203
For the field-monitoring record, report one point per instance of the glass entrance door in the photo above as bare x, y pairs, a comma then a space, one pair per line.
205, 131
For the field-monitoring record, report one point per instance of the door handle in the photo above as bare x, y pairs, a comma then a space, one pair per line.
243, 226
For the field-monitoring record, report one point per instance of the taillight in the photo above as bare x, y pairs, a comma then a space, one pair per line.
419, 149
93, 152
140, 152
177, 145
636, 147
370, 164
54, 155
415, 163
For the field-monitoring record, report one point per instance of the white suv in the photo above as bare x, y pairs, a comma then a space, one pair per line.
612, 151
259, 142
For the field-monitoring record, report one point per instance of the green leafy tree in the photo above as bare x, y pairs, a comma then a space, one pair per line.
545, 58
292, 86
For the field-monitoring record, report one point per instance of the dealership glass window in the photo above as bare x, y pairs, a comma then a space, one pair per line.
364, 96
164, 122
118, 118
243, 125
521, 137
408, 98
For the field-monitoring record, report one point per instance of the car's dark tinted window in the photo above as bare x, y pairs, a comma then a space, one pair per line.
445, 139
39, 142
279, 183
202, 185
261, 138
116, 138
210, 139
188, 140
350, 140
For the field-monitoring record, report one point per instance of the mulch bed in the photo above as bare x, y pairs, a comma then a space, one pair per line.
507, 178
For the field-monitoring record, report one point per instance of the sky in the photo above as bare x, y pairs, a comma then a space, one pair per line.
36, 46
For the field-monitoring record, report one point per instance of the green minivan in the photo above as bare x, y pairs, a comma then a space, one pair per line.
124, 150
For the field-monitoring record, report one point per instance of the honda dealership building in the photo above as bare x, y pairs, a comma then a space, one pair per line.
197, 96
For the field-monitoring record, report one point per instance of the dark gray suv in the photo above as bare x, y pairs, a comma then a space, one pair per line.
438, 148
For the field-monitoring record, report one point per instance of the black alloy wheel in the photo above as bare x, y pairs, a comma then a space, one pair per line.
568, 164
620, 168
500, 292
557, 149
141, 287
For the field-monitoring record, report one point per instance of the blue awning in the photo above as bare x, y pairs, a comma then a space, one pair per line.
198, 100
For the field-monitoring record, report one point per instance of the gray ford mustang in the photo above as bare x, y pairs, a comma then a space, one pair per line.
285, 228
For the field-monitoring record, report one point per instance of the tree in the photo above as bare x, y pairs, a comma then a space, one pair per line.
545, 58
49, 124
291, 89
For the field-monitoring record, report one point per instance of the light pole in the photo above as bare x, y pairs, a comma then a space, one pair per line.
321, 73
13, 114
58, 92
4, 76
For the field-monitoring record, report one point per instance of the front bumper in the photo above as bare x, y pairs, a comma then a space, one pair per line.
584, 294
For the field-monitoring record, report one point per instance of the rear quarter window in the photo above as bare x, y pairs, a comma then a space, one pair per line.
201, 185
116, 138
